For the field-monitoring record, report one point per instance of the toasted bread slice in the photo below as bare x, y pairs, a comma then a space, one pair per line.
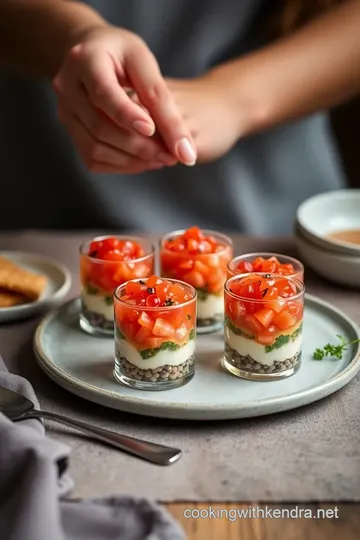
15, 279
10, 299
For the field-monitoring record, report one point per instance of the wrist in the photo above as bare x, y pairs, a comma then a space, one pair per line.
250, 111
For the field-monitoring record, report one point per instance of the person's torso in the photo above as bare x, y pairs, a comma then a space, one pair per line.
255, 188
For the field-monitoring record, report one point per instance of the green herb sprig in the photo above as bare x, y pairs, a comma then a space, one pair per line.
334, 351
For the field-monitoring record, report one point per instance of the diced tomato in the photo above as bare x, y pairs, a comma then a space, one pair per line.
186, 265
132, 287
237, 309
265, 338
275, 305
270, 265
295, 308
201, 267
162, 290
195, 279
153, 342
244, 267
153, 301
163, 328
265, 316
152, 281
192, 245
130, 330
253, 325
123, 272
142, 334
284, 320
285, 287
132, 315
145, 320
181, 332
177, 290
193, 233
113, 249
193, 241
113, 255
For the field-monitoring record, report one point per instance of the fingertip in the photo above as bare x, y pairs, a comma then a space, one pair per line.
186, 152
144, 128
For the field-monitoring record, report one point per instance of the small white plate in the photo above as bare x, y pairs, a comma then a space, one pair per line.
333, 266
57, 287
84, 365
330, 212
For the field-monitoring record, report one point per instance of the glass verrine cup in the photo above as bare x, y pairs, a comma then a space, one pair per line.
263, 326
200, 258
271, 263
155, 333
116, 260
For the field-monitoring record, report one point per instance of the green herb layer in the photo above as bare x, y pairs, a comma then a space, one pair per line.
235, 330
283, 339
90, 289
279, 342
166, 346
202, 294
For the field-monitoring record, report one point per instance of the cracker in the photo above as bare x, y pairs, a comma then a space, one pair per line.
16, 279
10, 299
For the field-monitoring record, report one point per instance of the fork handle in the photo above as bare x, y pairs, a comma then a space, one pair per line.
155, 453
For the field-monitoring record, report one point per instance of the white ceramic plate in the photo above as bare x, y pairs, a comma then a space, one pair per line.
58, 285
333, 266
83, 365
330, 212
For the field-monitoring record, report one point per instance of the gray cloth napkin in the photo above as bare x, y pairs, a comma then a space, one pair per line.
34, 483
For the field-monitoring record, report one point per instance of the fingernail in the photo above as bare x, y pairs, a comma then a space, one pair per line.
168, 159
144, 128
186, 152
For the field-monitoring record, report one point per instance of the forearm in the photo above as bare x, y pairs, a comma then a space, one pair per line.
316, 68
34, 34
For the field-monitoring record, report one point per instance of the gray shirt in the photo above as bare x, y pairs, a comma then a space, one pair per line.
255, 188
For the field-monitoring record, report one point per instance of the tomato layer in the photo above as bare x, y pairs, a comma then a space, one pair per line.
197, 259
271, 265
111, 262
173, 318
266, 308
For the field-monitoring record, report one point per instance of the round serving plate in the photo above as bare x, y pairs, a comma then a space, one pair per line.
83, 365
57, 286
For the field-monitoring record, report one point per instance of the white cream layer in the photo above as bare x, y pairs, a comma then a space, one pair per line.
210, 307
162, 358
245, 346
97, 304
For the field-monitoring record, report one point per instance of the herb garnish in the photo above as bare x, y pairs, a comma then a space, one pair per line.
335, 351
141, 282
169, 302
151, 290
166, 346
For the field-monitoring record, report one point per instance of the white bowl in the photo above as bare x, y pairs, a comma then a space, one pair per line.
335, 267
330, 212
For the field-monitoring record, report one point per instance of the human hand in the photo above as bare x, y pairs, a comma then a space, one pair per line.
209, 112
110, 131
